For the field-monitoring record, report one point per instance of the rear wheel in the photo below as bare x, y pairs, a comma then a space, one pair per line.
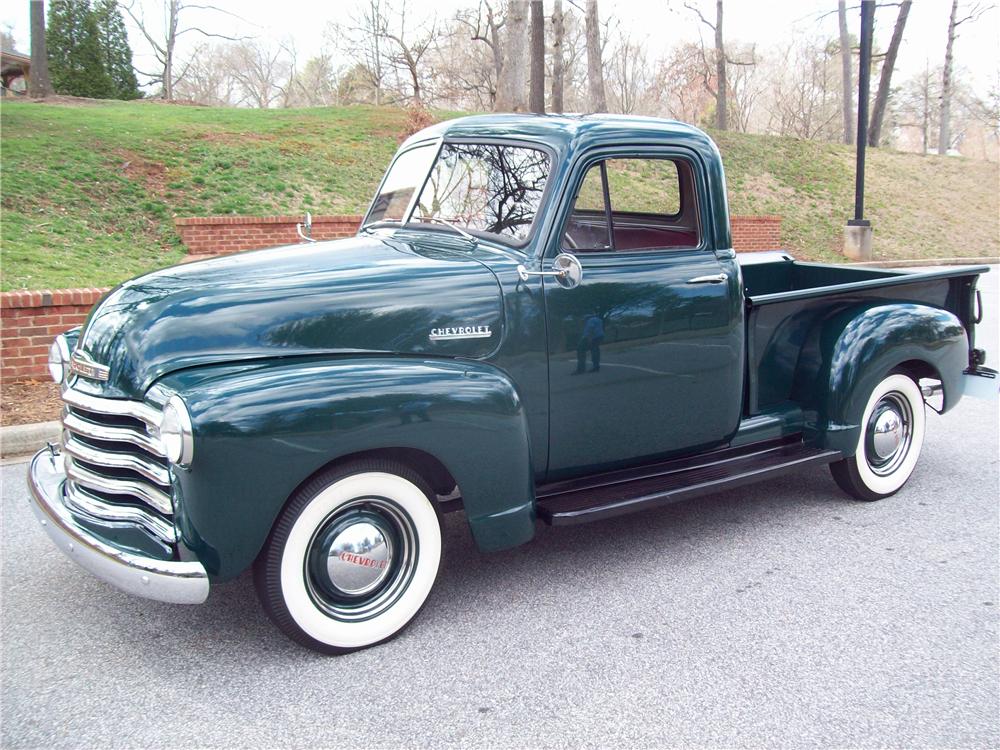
352, 558
892, 433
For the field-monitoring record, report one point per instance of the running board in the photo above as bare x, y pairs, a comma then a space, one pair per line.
615, 493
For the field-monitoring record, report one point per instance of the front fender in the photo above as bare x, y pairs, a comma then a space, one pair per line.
261, 431
850, 353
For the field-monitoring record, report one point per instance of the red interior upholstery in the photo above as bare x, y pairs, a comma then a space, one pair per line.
638, 238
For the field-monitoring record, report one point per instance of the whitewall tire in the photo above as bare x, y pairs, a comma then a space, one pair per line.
892, 433
353, 557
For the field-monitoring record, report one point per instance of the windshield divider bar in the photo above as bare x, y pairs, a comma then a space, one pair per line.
417, 191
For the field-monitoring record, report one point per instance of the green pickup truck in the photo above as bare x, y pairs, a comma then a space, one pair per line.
540, 319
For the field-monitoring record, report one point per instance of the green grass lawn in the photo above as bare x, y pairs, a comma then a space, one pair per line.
89, 190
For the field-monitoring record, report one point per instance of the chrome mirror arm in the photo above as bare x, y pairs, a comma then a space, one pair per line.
524, 273
307, 235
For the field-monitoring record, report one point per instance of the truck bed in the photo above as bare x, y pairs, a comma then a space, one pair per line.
787, 299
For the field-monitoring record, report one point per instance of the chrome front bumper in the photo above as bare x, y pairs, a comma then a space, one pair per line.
164, 581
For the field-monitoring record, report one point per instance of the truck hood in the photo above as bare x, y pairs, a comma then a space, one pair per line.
361, 295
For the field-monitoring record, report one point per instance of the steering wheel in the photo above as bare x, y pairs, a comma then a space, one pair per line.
569, 242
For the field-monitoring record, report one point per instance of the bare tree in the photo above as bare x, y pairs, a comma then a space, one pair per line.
847, 84
164, 46
39, 83
407, 47
360, 36
805, 98
536, 87
972, 14
918, 105
264, 72
720, 89
746, 86
511, 89
558, 32
486, 29
208, 79
316, 84
595, 65
627, 78
465, 69
888, 65
679, 81
721, 115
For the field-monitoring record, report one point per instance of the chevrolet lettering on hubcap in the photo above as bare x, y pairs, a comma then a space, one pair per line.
359, 558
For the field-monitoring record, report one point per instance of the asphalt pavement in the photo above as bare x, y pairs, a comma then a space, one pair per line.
780, 615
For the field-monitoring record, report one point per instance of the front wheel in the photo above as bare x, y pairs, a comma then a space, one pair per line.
892, 433
352, 558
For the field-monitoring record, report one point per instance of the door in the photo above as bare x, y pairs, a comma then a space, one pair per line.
646, 354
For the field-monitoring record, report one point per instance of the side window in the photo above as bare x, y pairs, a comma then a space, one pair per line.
587, 228
644, 186
654, 206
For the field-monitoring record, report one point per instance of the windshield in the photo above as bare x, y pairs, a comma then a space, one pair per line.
480, 187
406, 174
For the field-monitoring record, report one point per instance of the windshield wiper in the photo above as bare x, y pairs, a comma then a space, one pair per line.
448, 224
381, 223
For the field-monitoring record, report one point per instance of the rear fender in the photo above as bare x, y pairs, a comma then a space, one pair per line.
847, 355
261, 431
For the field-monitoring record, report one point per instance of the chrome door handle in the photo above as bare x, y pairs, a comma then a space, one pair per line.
716, 278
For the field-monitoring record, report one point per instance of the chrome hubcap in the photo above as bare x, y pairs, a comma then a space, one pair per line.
359, 558
888, 434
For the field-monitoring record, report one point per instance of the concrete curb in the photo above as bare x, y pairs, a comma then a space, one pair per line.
23, 439
988, 260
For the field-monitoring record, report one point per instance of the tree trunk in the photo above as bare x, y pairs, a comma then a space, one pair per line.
721, 87
882, 97
39, 83
169, 44
536, 93
847, 84
944, 131
595, 66
925, 122
418, 101
512, 87
558, 33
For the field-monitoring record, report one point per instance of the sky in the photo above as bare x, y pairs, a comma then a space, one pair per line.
764, 22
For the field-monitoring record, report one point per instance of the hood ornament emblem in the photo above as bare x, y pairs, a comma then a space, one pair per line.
83, 365
461, 332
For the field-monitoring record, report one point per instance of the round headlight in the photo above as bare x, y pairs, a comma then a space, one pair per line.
176, 433
58, 359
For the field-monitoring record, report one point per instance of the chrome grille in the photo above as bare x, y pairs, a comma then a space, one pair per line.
116, 468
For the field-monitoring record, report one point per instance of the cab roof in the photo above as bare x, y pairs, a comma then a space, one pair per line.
568, 132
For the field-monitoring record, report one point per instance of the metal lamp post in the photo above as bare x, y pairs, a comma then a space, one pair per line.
858, 232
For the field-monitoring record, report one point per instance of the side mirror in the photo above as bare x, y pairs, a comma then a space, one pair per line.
566, 270
569, 272
308, 224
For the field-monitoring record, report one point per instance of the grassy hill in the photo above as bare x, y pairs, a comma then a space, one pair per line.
89, 189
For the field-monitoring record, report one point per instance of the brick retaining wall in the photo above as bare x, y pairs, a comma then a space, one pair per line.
221, 235
754, 233
30, 320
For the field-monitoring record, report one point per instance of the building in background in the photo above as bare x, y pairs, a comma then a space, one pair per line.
14, 69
